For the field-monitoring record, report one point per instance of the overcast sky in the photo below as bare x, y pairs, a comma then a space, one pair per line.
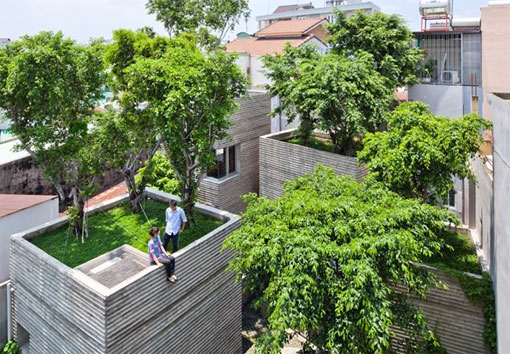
85, 19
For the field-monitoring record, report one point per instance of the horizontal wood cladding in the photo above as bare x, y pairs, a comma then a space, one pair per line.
458, 323
281, 161
250, 121
178, 318
65, 311
60, 314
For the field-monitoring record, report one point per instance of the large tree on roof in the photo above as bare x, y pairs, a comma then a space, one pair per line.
49, 86
384, 36
202, 17
343, 96
421, 153
127, 132
190, 95
325, 259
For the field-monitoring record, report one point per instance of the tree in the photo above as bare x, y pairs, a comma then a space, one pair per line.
325, 258
49, 86
191, 96
128, 134
421, 153
384, 36
344, 97
199, 16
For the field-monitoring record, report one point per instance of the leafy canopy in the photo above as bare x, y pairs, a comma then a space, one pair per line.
199, 16
191, 96
49, 86
420, 153
344, 97
326, 256
384, 36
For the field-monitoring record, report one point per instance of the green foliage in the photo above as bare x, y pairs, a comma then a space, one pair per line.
11, 347
315, 143
420, 153
384, 36
344, 97
458, 254
190, 96
159, 175
117, 227
199, 16
49, 86
325, 257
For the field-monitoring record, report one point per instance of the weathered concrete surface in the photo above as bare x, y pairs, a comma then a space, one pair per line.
65, 311
500, 105
281, 161
251, 121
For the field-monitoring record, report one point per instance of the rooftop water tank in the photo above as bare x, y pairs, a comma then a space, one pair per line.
435, 8
465, 22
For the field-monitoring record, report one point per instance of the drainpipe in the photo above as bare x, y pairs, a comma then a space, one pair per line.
9, 319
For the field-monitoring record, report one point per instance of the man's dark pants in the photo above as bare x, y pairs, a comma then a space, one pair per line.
175, 241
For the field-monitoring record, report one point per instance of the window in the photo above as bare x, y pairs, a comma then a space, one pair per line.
451, 198
442, 63
226, 163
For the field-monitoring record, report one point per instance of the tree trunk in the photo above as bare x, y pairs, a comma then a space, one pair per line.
134, 194
188, 203
79, 226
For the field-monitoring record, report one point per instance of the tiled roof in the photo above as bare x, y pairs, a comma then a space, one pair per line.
295, 7
261, 46
12, 203
289, 28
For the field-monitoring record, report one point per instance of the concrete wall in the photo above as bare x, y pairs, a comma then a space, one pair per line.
281, 161
501, 132
65, 311
482, 231
458, 323
21, 176
251, 120
443, 100
20, 221
495, 51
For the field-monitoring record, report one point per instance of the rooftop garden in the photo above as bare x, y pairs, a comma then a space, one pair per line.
115, 227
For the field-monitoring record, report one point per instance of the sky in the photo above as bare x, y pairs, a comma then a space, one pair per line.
85, 19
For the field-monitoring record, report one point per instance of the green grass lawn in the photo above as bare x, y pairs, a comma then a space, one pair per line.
114, 228
314, 143
462, 258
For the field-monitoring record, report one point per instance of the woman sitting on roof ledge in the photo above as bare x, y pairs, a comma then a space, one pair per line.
159, 256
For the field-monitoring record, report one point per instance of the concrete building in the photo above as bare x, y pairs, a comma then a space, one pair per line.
4, 41
307, 11
18, 213
496, 50
118, 303
236, 171
500, 238
272, 40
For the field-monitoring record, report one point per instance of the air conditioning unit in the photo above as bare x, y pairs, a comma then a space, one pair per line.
450, 77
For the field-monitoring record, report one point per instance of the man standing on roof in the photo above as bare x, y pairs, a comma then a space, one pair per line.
175, 224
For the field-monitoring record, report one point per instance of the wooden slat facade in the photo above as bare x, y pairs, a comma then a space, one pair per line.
281, 161
251, 121
65, 311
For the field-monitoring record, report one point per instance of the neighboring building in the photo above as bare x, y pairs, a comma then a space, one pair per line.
4, 41
19, 213
272, 40
307, 11
500, 236
236, 171
496, 50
